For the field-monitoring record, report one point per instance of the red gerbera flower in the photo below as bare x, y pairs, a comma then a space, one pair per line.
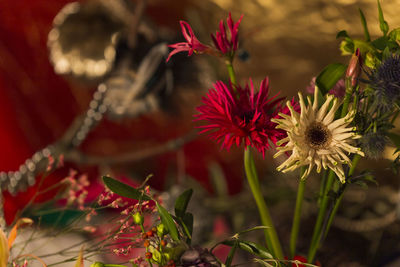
192, 44
241, 115
221, 41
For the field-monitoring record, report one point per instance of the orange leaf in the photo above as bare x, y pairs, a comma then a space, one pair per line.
13, 234
4, 252
79, 261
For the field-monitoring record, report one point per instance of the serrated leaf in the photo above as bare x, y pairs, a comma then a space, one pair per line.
382, 23
365, 26
182, 202
251, 247
124, 190
168, 222
329, 76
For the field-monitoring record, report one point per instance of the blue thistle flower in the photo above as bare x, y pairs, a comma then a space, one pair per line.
385, 80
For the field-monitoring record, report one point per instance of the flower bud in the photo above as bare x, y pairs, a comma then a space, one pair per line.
354, 68
97, 264
138, 218
161, 230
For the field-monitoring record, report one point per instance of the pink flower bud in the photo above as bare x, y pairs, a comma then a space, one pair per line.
354, 68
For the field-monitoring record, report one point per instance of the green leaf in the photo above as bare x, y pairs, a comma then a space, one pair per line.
365, 26
182, 202
265, 264
231, 254
168, 222
386, 53
394, 35
342, 34
380, 43
253, 229
124, 190
329, 76
188, 221
395, 138
251, 247
382, 23
347, 46
364, 46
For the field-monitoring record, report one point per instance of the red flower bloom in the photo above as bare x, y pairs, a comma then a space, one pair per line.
241, 116
192, 44
221, 41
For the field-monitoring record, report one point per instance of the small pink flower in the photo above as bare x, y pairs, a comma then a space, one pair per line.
241, 116
221, 39
191, 45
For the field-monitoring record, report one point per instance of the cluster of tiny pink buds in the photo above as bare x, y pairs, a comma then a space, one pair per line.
89, 229
128, 210
118, 203
122, 251
91, 212
106, 195
77, 191
51, 161
145, 207
139, 260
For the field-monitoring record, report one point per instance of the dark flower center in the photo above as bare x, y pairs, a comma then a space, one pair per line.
248, 116
318, 135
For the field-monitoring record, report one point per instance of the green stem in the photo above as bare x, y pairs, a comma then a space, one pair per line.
347, 97
231, 72
231, 254
322, 186
297, 214
320, 219
355, 161
271, 236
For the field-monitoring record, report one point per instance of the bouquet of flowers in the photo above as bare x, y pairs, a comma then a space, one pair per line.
349, 115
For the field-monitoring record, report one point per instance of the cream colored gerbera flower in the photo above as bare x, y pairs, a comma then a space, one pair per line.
315, 138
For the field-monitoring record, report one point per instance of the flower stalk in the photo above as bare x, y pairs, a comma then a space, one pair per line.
271, 236
297, 215
316, 237
338, 200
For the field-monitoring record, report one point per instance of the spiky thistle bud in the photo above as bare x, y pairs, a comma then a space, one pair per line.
385, 80
373, 144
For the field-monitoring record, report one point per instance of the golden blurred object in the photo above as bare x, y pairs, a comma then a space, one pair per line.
83, 40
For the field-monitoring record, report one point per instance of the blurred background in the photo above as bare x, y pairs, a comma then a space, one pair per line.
49, 77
